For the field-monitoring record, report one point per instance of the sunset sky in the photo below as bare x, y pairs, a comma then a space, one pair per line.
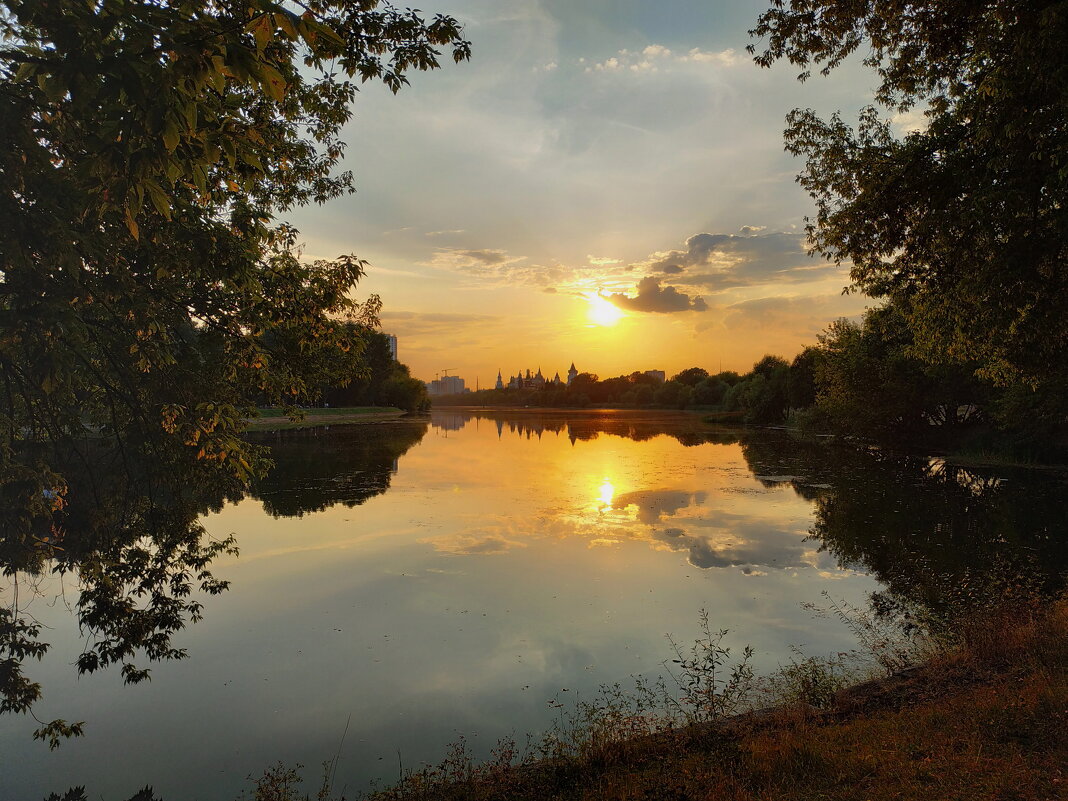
620, 148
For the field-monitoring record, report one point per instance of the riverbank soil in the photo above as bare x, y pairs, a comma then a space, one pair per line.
988, 720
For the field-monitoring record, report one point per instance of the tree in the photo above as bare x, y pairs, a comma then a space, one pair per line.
147, 296
802, 383
962, 224
869, 382
691, 377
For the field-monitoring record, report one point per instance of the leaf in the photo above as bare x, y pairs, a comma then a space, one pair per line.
283, 20
263, 31
171, 137
159, 198
53, 86
273, 82
25, 70
131, 224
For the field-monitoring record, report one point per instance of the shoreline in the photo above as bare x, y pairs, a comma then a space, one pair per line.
318, 418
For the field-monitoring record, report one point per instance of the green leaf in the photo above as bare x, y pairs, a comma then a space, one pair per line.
171, 138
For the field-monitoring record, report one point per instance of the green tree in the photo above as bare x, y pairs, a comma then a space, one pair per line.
963, 223
869, 382
147, 295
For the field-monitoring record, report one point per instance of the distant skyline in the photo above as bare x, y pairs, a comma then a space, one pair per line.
603, 183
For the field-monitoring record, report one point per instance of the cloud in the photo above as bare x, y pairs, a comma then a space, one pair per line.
724, 58
433, 324
470, 545
654, 504
808, 314
445, 233
717, 262
652, 297
496, 267
601, 261
488, 257
911, 121
656, 58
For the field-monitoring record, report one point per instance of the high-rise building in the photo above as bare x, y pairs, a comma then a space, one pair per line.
392, 346
446, 385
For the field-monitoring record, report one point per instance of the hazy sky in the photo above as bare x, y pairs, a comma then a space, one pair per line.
625, 148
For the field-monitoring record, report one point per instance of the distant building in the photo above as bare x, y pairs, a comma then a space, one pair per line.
392, 346
571, 374
659, 375
530, 381
446, 385
500, 381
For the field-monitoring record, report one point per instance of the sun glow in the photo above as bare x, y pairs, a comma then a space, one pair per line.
607, 491
601, 312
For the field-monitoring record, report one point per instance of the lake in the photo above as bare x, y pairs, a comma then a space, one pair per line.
417, 581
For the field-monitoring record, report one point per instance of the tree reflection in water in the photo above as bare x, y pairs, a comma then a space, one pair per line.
127, 528
125, 524
317, 468
922, 526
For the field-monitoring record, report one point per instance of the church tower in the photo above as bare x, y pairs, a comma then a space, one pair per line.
571, 374
500, 381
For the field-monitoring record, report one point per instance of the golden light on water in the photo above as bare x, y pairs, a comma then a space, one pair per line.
601, 312
607, 492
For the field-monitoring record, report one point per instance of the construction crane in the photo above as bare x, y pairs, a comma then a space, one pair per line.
445, 372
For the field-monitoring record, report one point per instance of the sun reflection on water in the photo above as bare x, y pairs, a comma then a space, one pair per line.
607, 492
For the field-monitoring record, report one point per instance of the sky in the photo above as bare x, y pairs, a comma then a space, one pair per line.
604, 183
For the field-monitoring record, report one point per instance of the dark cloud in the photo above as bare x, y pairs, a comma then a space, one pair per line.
550, 290
722, 261
652, 297
488, 257
654, 504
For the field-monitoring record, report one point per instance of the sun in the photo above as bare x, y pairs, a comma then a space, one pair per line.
601, 312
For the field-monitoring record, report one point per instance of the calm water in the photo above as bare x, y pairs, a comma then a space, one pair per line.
427, 580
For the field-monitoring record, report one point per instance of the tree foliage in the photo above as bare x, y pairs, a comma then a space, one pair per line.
963, 223
148, 297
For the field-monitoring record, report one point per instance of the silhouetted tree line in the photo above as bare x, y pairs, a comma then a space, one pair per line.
689, 389
860, 378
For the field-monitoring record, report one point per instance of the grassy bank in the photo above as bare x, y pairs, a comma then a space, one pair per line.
274, 419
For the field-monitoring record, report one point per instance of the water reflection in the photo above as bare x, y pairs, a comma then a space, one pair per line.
585, 425
459, 572
317, 468
919, 524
